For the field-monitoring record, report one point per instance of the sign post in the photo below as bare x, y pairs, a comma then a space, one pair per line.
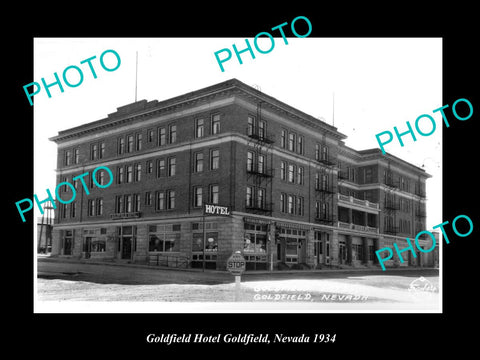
236, 265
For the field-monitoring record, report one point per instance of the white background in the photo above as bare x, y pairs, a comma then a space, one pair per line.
378, 83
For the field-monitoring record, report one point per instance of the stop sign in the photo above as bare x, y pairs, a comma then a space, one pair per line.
236, 264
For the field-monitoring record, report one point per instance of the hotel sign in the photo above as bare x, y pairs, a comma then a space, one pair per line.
214, 210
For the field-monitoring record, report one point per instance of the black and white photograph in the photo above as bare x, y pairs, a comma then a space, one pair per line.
159, 184
251, 181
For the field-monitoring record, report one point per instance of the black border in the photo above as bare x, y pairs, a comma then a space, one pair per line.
361, 334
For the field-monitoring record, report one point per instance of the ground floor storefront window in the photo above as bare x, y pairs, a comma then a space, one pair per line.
290, 246
204, 256
255, 246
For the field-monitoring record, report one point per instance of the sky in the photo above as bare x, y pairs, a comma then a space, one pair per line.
376, 84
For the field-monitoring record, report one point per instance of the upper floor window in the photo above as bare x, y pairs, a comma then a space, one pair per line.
121, 145
129, 143
215, 124
68, 158
161, 136
76, 156
283, 139
214, 159
172, 133
291, 141
138, 142
199, 128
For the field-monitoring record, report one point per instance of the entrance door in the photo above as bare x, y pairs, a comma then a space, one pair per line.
341, 253
67, 246
127, 247
87, 247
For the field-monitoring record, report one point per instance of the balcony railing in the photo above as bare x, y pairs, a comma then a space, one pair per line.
420, 213
324, 219
126, 215
258, 206
391, 230
324, 189
351, 226
391, 205
353, 200
391, 183
325, 161
260, 135
255, 170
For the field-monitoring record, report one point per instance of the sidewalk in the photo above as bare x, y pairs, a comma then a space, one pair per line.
48, 258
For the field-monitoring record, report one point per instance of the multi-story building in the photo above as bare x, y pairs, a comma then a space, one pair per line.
297, 195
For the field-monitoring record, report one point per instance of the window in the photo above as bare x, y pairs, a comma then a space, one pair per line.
317, 152
99, 207
261, 164
76, 156
129, 143
149, 167
138, 142
172, 134
317, 209
249, 197
300, 145
137, 202
160, 202
150, 135
291, 141
250, 156
101, 154
291, 173
214, 189
215, 124
171, 166
120, 175
119, 204
251, 125
160, 167
198, 162
128, 204
260, 198
262, 129
199, 128
255, 242
170, 199
73, 209
290, 204
138, 172
100, 181
283, 170
300, 174
214, 159
300, 203
325, 152
283, 139
283, 198
121, 145
324, 210
324, 182
163, 238
161, 136
68, 157
91, 207
129, 178
93, 152
148, 198
197, 196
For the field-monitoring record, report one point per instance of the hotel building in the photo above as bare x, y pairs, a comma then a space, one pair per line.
298, 197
